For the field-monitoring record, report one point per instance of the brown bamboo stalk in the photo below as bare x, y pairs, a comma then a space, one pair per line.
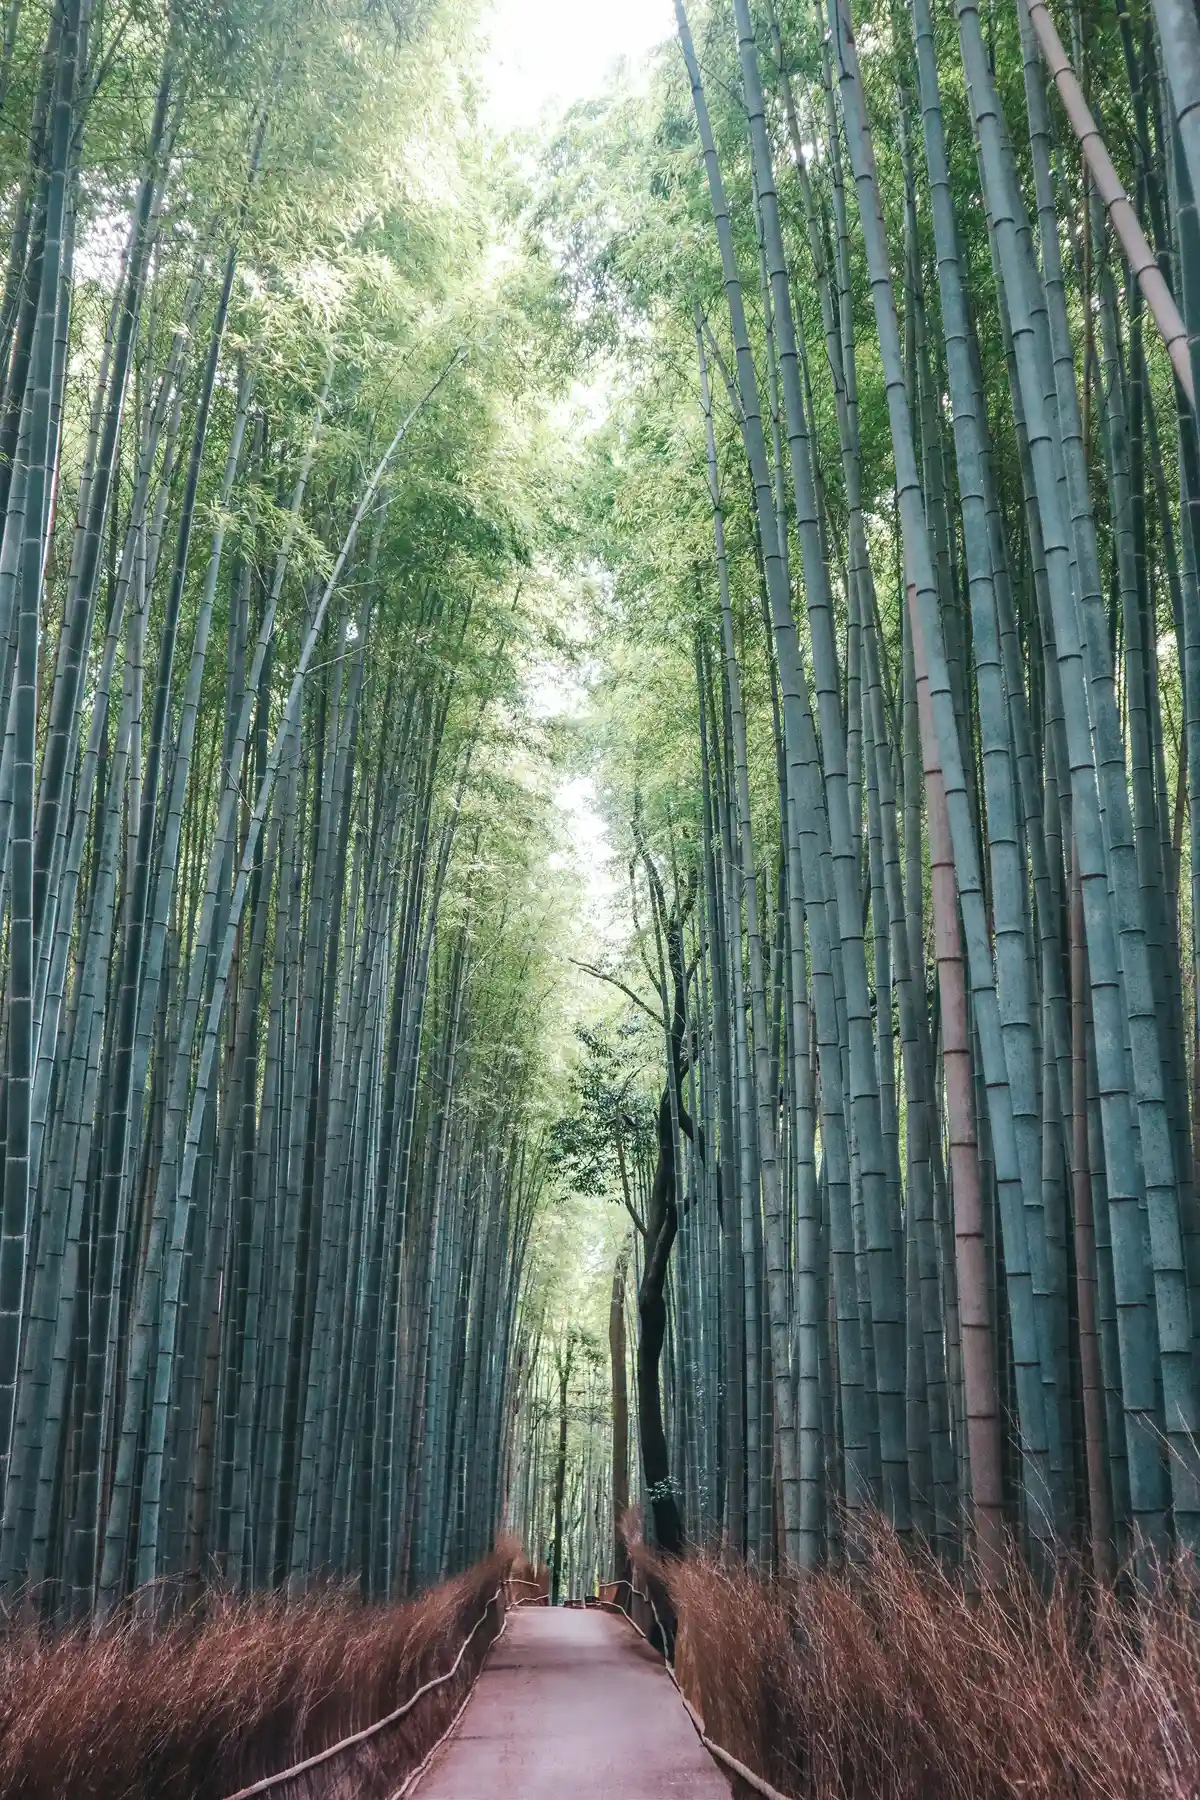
1099, 1502
1117, 203
970, 1254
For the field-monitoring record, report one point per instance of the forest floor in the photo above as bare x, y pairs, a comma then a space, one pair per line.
572, 1705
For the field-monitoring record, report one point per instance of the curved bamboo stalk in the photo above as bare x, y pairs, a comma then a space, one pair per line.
1117, 203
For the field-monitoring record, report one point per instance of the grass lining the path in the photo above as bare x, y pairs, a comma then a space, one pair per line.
234, 1690
890, 1680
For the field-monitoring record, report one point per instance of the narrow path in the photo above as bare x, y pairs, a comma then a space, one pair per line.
572, 1705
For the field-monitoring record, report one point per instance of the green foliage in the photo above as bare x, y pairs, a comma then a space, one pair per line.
610, 1116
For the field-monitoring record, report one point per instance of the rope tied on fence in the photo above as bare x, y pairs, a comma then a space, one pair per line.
722, 1755
757, 1782
369, 1731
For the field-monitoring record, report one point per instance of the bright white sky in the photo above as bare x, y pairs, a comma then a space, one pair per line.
546, 54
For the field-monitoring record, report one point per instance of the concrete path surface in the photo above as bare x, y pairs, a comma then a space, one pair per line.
572, 1705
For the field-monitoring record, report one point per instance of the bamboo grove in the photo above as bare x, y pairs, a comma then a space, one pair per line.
888, 545
902, 499
271, 947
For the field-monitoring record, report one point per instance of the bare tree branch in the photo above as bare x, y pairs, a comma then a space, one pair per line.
615, 981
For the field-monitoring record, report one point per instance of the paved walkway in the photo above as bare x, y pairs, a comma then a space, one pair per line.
572, 1705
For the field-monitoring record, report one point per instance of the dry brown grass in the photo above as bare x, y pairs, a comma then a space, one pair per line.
235, 1691
888, 1681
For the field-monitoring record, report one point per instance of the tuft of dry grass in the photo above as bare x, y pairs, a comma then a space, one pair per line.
236, 1690
890, 1679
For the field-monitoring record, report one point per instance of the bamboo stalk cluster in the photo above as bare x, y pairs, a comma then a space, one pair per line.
266, 1178
560, 1495
935, 1110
